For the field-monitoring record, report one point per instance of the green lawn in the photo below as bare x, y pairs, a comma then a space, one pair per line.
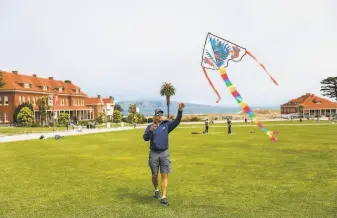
214, 175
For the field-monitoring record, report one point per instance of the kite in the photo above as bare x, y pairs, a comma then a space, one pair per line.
216, 54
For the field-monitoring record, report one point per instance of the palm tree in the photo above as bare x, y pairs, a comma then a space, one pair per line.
168, 90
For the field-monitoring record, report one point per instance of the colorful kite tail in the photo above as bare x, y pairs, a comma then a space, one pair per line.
264, 68
244, 105
210, 82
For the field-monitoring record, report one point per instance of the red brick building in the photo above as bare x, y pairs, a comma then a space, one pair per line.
23, 88
312, 105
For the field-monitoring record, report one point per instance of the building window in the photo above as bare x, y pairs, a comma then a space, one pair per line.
0, 116
33, 100
23, 99
20, 100
66, 102
60, 89
6, 100
28, 99
0, 100
27, 85
6, 116
45, 88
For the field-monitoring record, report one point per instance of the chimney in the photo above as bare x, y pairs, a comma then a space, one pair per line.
110, 97
15, 72
34, 75
98, 96
51, 78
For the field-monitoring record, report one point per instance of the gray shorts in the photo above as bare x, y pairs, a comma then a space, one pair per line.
160, 159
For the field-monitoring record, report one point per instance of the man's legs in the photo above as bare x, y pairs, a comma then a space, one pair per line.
154, 166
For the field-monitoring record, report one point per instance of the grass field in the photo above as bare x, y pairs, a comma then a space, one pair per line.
214, 175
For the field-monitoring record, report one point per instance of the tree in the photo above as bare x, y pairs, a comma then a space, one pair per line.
168, 91
131, 117
43, 106
67, 81
25, 117
63, 119
133, 108
2, 80
118, 108
300, 110
101, 118
117, 116
19, 107
139, 118
329, 87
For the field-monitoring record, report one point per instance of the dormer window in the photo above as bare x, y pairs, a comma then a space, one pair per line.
45, 88
77, 91
61, 89
27, 85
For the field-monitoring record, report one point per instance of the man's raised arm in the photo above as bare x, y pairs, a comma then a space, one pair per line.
174, 123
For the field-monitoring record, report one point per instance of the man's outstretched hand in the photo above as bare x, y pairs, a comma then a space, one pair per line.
181, 106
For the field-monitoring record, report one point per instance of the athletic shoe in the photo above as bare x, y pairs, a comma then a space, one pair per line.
164, 201
156, 194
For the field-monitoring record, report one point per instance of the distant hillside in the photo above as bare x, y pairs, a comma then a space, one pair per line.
157, 104
147, 107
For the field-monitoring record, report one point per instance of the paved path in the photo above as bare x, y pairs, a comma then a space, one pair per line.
30, 136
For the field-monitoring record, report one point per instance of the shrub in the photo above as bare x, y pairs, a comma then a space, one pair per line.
83, 122
117, 116
194, 119
25, 117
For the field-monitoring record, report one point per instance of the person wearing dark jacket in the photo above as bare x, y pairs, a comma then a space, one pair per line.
159, 156
229, 123
206, 126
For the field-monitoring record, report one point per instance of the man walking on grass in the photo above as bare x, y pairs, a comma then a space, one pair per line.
159, 157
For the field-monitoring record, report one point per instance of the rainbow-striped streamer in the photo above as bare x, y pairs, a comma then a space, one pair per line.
244, 105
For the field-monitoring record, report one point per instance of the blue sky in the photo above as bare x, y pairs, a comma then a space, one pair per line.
129, 48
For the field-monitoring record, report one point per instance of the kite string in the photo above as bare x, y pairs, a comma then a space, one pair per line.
210, 82
244, 105
264, 68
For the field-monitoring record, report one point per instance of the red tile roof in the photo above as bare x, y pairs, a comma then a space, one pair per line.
108, 101
98, 101
93, 101
311, 101
15, 83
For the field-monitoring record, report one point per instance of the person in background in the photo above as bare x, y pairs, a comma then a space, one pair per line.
229, 124
206, 126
